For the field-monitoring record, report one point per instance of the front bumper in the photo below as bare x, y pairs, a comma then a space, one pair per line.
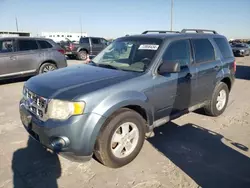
81, 132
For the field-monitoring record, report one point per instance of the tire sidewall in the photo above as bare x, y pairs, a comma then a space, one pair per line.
44, 65
82, 52
221, 86
127, 116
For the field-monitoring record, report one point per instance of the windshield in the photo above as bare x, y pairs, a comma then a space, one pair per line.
240, 45
128, 54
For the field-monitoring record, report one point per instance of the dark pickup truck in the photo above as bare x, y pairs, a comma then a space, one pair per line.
87, 46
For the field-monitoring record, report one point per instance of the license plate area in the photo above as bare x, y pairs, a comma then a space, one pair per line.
25, 118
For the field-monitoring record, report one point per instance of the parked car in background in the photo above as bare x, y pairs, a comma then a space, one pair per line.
87, 46
106, 107
23, 56
241, 49
67, 45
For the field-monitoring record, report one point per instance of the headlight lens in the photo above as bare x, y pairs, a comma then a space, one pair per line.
242, 50
62, 110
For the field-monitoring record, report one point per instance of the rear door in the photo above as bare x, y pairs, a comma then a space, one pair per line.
29, 55
96, 45
208, 66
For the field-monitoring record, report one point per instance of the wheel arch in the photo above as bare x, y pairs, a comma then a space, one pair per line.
83, 49
47, 61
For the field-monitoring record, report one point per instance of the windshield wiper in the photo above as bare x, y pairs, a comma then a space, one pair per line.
108, 66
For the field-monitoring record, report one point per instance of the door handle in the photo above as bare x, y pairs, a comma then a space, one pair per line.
188, 76
12, 57
216, 67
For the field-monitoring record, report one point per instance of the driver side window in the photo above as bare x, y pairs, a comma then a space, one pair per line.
178, 51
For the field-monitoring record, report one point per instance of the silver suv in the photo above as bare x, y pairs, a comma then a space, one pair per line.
23, 56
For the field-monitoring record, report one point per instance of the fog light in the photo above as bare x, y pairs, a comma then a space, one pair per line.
59, 142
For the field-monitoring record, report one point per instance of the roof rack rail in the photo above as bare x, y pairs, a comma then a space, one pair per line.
198, 30
156, 31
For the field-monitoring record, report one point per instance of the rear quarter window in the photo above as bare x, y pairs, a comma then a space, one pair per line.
44, 44
224, 47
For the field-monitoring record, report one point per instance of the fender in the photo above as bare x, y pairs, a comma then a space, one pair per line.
223, 73
107, 107
122, 99
81, 48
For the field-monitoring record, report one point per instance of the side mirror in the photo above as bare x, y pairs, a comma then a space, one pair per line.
169, 67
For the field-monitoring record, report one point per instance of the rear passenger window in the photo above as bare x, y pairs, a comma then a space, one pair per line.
224, 47
203, 50
44, 44
25, 45
178, 51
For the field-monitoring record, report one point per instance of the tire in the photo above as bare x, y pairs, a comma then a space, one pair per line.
82, 55
47, 67
105, 147
213, 108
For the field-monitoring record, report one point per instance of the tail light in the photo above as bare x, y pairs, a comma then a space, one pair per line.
234, 66
71, 47
61, 51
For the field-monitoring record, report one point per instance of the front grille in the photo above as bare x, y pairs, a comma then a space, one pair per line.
35, 103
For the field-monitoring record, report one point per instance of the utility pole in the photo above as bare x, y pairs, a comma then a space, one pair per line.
16, 25
172, 6
81, 24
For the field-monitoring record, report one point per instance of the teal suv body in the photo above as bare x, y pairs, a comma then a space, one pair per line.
137, 83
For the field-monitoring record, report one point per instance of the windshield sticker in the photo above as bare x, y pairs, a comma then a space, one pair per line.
148, 47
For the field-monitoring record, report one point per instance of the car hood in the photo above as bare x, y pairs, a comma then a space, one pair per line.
67, 83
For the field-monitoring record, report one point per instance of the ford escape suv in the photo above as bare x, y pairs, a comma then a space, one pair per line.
23, 56
106, 107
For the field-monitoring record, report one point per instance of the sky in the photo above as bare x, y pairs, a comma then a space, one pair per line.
114, 18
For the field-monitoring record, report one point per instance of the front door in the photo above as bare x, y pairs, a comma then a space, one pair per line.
97, 45
174, 90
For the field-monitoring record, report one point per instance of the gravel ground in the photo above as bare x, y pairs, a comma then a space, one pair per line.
192, 151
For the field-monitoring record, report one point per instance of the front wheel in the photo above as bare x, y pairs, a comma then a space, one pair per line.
120, 139
82, 55
218, 103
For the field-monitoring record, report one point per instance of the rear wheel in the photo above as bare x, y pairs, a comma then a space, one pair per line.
218, 103
82, 55
121, 138
47, 67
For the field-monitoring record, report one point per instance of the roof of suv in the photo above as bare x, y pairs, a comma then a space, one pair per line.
21, 37
175, 34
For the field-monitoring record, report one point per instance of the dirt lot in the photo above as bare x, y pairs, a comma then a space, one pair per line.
192, 151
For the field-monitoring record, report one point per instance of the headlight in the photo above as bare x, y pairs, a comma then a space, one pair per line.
62, 110
242, 50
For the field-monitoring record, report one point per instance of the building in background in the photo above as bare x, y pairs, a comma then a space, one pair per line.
62, 36
14, 34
